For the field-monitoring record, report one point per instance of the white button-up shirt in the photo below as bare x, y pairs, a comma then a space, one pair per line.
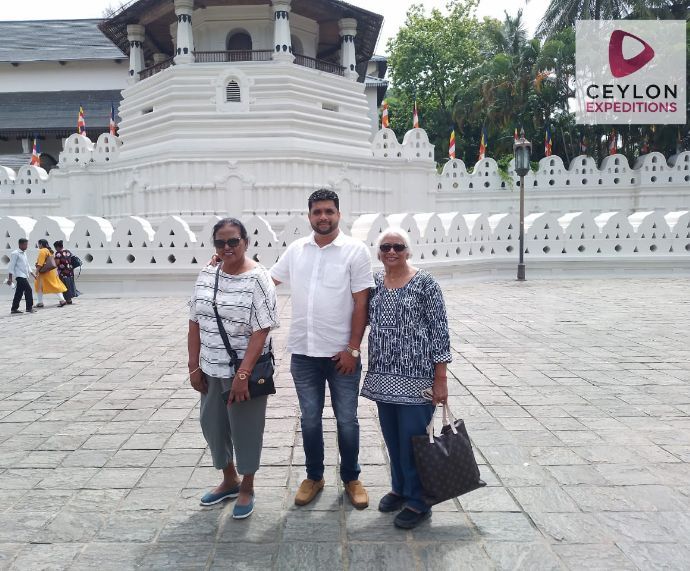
322, 281
19, 265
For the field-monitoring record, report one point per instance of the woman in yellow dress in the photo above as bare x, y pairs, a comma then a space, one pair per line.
48, 281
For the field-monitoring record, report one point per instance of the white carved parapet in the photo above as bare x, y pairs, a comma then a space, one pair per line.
7, 178
131, 243
580, 233
432, 236
264, 246
652, 231
295, 227
52, 228
173, 240
368, 227
543, 234
30, 182
505, 233
90, 240
485, 176
615, 171
457, 233
617, 234
385, 145
12, 228
416, 146
454, 176
651, 169
107, 148
77, 152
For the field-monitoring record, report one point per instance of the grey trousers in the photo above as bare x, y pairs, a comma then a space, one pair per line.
239, 426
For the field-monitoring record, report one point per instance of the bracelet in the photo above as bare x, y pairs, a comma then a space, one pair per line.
194, 371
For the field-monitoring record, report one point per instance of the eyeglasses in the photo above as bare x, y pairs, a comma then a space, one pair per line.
232, 242
388, 247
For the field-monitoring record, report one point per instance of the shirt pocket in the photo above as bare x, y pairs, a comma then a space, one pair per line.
334, 276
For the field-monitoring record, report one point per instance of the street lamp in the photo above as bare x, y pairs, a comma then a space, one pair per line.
522, 150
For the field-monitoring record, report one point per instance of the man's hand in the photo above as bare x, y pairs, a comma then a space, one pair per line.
198, 381
345, 363
440, 390
239, 391
9, 281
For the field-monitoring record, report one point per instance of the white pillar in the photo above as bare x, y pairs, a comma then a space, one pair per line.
135, 36
281, 35
185, 37
348, 57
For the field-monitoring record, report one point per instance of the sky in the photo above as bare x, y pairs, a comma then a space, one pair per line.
394, 11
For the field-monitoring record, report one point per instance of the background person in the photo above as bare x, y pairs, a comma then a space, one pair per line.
246, 302
63, 259
47, 281
19, 272
409, 347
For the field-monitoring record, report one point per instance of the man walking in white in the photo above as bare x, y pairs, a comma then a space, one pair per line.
329, 275
19, 271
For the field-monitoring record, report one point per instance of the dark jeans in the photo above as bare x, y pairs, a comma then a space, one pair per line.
399, 423
310, 375
71, 288
23, 289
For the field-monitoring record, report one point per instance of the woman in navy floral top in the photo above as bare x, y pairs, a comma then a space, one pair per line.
409, 348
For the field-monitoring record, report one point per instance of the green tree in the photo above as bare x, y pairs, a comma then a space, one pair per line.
431, 58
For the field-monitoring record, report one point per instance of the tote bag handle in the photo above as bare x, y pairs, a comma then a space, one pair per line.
447, 416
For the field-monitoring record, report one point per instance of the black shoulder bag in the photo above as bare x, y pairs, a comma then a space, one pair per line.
261, 380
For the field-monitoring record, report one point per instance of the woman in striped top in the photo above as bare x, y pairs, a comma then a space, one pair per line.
246, 303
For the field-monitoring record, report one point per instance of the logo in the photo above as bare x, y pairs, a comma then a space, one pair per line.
620, 67
630, 72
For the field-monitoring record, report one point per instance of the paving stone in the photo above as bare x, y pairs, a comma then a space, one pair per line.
375, 557
110, 557
312, 526
504, 526
646, 555
183, 555
528, 556
244, 557
488, 499
46, 557
72, 526
593, 556
458, 556
293, 556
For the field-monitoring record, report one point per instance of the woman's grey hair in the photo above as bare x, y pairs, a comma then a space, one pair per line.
400, 233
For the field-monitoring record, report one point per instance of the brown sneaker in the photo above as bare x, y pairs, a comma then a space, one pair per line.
358, 495
307, 491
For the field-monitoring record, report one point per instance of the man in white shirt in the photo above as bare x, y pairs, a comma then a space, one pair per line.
329, 275
19, 271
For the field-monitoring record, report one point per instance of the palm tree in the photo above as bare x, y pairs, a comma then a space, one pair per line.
563, 13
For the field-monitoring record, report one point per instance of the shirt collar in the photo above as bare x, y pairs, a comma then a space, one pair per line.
339, 239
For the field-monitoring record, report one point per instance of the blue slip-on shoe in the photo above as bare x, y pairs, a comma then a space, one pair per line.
409, 519
210, 499
242, 512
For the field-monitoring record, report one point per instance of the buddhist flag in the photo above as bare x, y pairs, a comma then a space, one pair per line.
113, 125
415, 117
548, 143
644, 149
81, 122
613, 142
36, 154
679, 143
515, 135
385, 124
451, 146
583, 144
483, 144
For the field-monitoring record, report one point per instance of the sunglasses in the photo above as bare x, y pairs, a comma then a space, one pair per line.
388, 247
232, 242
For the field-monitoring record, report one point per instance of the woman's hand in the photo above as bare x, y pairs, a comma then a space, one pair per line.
239, 391
198, 381
215, 260
440, 390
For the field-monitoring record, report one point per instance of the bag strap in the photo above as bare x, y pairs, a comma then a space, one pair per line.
448, 420
234, 359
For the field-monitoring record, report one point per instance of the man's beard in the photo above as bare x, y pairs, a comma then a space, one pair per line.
323, 230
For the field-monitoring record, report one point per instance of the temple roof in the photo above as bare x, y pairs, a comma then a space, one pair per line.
158, 15
55, 112
55, 40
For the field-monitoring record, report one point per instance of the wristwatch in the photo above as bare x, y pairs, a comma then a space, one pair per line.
354, 352
242, 375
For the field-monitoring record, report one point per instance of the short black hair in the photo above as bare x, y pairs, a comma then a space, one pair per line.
230, 222
324, 194
58, 244
22, 241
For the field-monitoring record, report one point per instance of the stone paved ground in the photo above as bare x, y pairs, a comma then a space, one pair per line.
576, 394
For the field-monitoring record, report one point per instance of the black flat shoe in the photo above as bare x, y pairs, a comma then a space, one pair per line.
391, 503
409, 519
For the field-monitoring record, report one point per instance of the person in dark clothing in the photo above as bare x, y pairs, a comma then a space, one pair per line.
63, 260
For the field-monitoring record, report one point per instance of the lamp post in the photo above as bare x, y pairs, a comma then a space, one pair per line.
522, 150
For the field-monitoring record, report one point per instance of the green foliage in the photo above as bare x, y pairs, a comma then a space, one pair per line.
466, 74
